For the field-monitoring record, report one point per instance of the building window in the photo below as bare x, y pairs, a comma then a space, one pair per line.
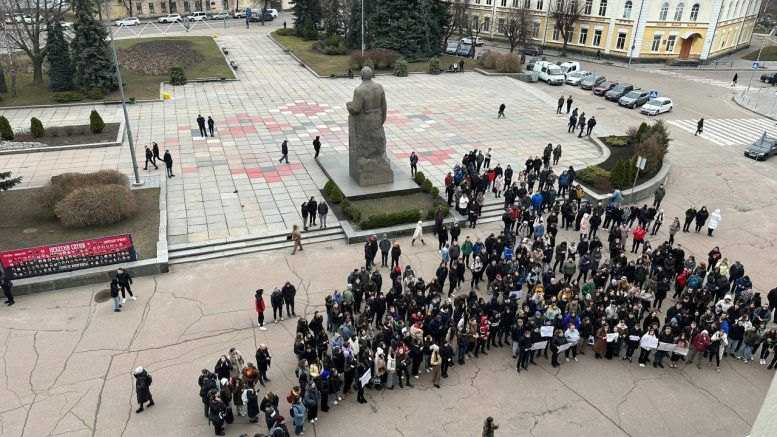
150, 8
488, 2
225, 5
486, 24
476, 23
621, 41
535, 29
556, 34
477, 2
627, 10
664, 11
602, 8
583, 36
722, 10
173, 7
589, 4
678, 12
198, 5
670, 43
597, 38
503, 3
500, 25
527, 4
539, 4
568, 37
694, 12
163, 7
186, 6
656, 43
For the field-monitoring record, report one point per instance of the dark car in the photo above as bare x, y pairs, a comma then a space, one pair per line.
592, 81
618, 91
465, 50
769, 78
531, 51
762, 148
264, 16
603, 87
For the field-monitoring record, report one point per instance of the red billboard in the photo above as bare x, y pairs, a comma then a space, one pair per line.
64, 257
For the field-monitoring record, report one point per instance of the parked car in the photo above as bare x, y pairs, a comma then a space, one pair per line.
273, 12
468, 40
549, 72
258, 16
223, 15
591, 81
635, 98
532, 51
240, 14
576, 77
603, 87
129, 21
170, 18
762, 148
618, 91
452, 48
465, 49
769, 78
569, 67
656, 106
197, 16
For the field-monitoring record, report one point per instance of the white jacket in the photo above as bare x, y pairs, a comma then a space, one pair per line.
715, 219
419, 231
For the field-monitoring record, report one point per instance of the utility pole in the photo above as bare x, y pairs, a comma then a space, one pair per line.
636, 30
763, 43
362, 11
128, 129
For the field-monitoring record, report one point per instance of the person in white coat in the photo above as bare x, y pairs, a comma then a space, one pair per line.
499, 185
713, 222
585, 225
418, 234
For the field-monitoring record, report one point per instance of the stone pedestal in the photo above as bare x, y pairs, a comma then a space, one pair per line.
395, 181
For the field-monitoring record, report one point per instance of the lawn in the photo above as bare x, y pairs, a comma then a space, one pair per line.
327, 65
139, 86
26, 224
767, 54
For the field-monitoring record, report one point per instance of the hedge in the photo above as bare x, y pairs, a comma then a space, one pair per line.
391, 219
96, 206
595, 176
61, 185
333, 193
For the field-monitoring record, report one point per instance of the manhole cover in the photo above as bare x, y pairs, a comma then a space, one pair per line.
102, 296
29, 231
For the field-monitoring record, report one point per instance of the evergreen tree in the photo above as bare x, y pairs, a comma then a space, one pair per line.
7, 182
332, 16
354, 35
92, 57
3, 86
307, 15
412, 27
60, 65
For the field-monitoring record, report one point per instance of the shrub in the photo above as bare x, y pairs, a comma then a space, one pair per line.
390, 219
435, 192
400, 68
67, 97
351, 211
488, 60
434, 65
383, 58
6, 133
616, 141
61, 185
622, 176
427, 186
333, 193
595, 177
95, 94
357, 60
177, 76
508, 63
419, 177
285, 32
96, 123
331, 45
36, 128
653, 150
96, 206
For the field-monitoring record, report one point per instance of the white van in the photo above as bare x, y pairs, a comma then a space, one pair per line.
549, 72
569, 67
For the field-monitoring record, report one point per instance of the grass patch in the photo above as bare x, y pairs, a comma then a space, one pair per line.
26, 224
71, 135
327, 65
139, 86
768, 54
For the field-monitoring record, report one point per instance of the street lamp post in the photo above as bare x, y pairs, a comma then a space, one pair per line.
636, 29
758, 58
128, 129
362, 11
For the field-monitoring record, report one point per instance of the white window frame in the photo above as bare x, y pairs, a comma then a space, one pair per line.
597, 40
694, 12
663, 12
602, 8
679, 10
655, 45
582, 38
620, 41
627, 7
588, 7
671, 42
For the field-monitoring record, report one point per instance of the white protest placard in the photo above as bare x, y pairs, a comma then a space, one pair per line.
649, 342
633, 337
613, 336
540, 345
546, 331
666, 347
681, 351
365, 379
565, 346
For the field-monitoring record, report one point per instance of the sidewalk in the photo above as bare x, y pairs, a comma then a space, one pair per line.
762, 101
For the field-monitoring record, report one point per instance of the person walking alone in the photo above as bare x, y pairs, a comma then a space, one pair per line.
560, 106
317, 146
699, 127
734, 80
296, 237
413, 163
168, 159
284, 151
201, 125
143, 388
489, 427
211, 125
501, 113
591, 126
714, 222
418, 233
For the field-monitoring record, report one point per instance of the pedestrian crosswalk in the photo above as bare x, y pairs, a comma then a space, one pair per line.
731, 131
697, 79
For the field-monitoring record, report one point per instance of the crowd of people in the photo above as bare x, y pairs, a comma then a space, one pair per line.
529, 291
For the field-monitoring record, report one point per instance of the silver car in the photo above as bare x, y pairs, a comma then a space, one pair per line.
574, 78
592, 81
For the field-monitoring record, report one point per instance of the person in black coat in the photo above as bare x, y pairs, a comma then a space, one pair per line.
317, 146
312, 210
284, 151
143, 388
168, 159
263, 359
114, 295
289, 291
149, 158
125, 279
211, 125
155, 150
252, 405
201, 125
701, 218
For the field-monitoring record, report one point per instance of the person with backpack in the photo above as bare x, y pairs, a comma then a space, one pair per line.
297, 413
276, 300
143, 388
207, 383
279, 427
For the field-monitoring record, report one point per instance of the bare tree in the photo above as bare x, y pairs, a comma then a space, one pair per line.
516, 30
565, 13
24, 23
459, 10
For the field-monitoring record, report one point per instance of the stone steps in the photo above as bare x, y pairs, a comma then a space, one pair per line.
193, 252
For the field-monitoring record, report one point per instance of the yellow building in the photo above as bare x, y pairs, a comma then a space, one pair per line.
153, 8
647, 30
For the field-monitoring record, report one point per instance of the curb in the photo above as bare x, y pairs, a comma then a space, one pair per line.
69, 105
742, 105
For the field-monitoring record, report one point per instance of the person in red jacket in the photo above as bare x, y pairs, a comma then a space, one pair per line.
260, 306
699, 344
639, 236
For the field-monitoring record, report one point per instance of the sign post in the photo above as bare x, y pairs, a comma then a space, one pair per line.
640, 164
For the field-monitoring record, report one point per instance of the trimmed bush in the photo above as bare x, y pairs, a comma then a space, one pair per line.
286, 32
419, 177
331, 45
508, 63
351, 211
95, 94
488, 60
67, 97
400, 68
390, 219
96, 206
333, 193
434, 65
427, 186
96, 123
616, 141
61, 185
177, 76
36, 128
595, 177
622, 176
435, 192
6, 133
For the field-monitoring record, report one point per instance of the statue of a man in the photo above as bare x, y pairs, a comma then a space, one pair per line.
368, 163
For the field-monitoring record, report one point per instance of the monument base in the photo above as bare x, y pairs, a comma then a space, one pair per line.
336, 168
